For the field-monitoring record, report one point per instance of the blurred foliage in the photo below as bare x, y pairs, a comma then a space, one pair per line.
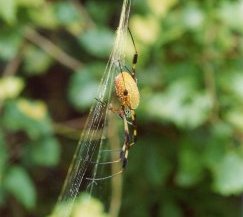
189, 157
84, 206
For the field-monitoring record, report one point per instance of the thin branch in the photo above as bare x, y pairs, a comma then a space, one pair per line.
52, 49
116, 182
13, 65
65, 131
209, 76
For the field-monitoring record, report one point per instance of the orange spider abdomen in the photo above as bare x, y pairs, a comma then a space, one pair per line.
127, 90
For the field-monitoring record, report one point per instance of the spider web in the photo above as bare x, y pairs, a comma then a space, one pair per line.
93, 137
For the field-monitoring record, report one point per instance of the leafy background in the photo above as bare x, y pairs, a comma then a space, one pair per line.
189, 157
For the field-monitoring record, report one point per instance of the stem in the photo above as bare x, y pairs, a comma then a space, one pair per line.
52, 49
116, 181
13, 65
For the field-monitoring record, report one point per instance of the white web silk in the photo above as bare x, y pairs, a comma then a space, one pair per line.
92, 136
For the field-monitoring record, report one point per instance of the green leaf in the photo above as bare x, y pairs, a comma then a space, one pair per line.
30, 3
36, 61
228, 174
97, 42
44, 16
192, 17
88, 206
10, 42
225, 13
20, 185
3, 158
28, 116
190, 166
8, 10
99, 16
180, 104
170, 208
84, 84
157, 167
233, 82
10, 87
235, 117
45, 152
66, 13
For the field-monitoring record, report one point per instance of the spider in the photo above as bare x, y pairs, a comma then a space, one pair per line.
128, 94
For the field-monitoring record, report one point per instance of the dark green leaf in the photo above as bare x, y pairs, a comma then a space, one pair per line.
45, 152
190, 166
10, 42
97, 42
36, 60
3, 159
20, 185
84, 85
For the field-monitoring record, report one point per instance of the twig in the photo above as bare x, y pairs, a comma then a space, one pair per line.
67, 132
70, 129
116, 182
13, 65
52, 49
211, 88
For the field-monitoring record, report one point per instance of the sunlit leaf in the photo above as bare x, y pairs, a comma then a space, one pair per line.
228, 174
86, 207
27, 116
8, 10
20, 185
44, 16
235, 117
10, 87
161, 7
30, 3
180, 104
234, 84
145, 28
227, 9
193, 17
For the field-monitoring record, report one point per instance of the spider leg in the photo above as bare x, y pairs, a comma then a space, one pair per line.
135, 58
134, 124
127, 138
126, 145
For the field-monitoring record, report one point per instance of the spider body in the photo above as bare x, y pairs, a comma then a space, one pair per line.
127, 90
128, 95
